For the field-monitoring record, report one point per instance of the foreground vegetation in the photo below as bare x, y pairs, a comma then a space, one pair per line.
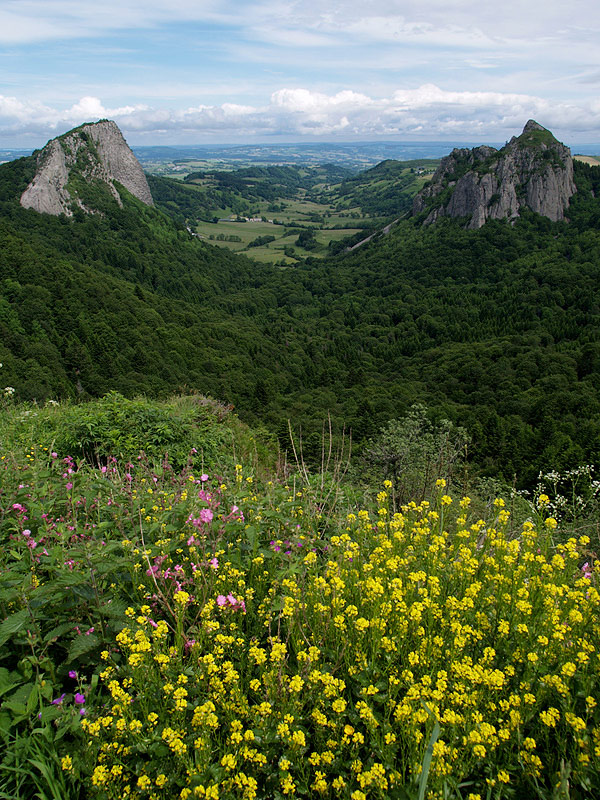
204, 625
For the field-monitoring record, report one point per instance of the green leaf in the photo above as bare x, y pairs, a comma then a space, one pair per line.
82, 644
4, 722
13, 624
115, 609
8, 680
65, 627
428, 755
33, 700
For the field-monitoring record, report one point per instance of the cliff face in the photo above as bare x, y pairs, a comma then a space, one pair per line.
533, 170
93, 153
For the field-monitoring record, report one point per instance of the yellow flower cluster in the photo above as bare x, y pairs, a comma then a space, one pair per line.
332, 682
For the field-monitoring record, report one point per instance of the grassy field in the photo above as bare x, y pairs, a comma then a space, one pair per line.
593, 161
301, 212
333, 210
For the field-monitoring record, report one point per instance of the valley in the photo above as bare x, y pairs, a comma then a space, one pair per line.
495, 329
309, 211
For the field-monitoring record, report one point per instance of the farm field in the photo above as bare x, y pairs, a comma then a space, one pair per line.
284, 228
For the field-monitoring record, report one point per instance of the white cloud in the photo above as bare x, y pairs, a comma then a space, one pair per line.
428, 111
303, 100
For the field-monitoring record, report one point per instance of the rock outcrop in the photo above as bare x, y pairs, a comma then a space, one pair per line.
533, 170
92, 153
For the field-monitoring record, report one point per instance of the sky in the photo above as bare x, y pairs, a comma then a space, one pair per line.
225, 71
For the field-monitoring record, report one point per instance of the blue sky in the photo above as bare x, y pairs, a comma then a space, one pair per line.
219, 71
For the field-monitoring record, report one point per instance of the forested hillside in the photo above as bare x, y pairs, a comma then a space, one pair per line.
497, 329
386, 189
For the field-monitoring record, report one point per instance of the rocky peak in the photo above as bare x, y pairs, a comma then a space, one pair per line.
533, 170
92, 154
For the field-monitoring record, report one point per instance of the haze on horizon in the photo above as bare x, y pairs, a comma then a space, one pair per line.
222, 72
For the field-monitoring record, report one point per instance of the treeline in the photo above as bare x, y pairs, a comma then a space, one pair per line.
188, 202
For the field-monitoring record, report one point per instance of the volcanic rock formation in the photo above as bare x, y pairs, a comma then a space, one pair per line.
533, 170
93, 153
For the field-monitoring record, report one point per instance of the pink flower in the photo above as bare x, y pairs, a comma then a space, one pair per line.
204, 478
240, 606
69, 486
214, 563
231, 602
206, 515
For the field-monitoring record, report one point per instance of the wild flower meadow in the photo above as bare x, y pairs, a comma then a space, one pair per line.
198, 632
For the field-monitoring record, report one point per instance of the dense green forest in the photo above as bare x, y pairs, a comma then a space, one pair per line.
496, 329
